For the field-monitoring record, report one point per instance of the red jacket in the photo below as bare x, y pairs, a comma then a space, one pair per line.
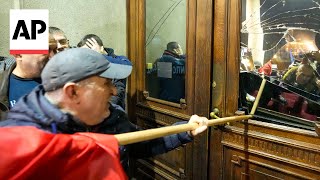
30, 153
266, 69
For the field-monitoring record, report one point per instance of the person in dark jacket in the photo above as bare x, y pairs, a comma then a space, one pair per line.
302, 77
170, 68
19, 75
94, 42
74, 95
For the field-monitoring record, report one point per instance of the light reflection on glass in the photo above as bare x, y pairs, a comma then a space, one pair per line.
281, 39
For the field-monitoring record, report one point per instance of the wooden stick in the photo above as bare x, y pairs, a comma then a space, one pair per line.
139, 136
256, 102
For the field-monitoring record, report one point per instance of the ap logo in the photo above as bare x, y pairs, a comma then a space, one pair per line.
29, 31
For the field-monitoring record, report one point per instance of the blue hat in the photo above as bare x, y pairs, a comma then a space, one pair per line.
73, 65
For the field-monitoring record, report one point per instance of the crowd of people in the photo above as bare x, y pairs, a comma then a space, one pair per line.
293, 89
302, 73
79, 89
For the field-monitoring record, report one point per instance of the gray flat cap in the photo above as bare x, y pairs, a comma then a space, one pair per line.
73, 65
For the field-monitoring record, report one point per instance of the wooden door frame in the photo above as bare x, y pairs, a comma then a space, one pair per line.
226, 46
199, 63
226, 50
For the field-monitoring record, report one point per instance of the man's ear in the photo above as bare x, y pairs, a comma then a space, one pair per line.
71, 91
17, 56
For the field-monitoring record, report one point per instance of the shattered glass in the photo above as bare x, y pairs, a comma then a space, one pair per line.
280, 39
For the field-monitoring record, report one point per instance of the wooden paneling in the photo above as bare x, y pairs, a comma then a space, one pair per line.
202, 79
243, 166
150, 170
190, 161
251, 150
218, 87
174, 164
232, 56
243, 150
225, 75
133, 54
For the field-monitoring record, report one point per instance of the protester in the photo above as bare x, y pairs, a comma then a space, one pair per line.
30, 153
20, 75
60, 37
170, 68
303, 77
94, 42
74, 95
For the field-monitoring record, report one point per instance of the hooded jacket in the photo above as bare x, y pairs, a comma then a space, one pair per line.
35, 110
6, 67
172, 86
120, 84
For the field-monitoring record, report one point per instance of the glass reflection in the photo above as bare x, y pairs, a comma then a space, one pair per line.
165, 41
280, 39
275, 95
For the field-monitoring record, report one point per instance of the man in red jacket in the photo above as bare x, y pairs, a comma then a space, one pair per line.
29, 153
74, 97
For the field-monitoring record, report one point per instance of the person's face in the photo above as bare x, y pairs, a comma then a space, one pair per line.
62, 41
93, 44
94, 101
32, 64
179, 50
316, 55
303, 76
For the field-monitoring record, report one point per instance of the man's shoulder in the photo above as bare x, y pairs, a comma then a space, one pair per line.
7, 64
116, 109
119, 60
170, 59
7, 61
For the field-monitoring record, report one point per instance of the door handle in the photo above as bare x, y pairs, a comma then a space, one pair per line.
215, 114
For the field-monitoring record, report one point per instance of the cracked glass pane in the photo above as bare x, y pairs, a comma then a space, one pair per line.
280, 40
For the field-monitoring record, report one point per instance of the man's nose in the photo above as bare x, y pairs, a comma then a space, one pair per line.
59, 47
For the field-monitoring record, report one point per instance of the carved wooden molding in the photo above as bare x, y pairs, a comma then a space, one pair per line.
279, 128
182, 105
161, 170
154, 171
157, 117
236, 160
278, 150
299, 141
317, 128
239, 160
171, 170
163, 111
